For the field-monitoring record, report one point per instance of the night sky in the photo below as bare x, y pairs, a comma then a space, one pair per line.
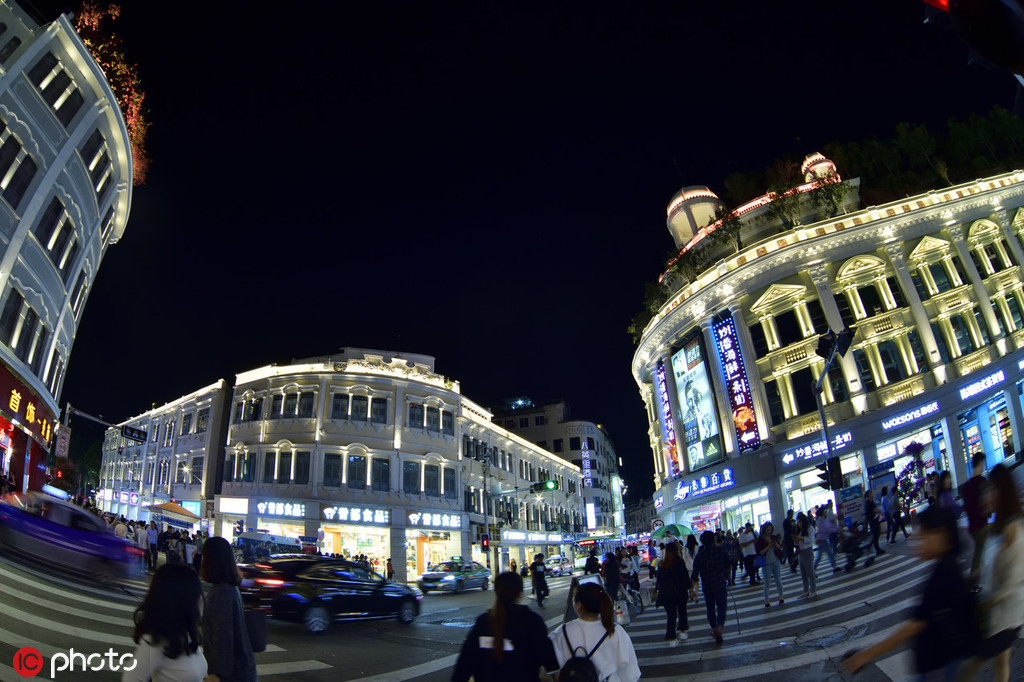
481, 182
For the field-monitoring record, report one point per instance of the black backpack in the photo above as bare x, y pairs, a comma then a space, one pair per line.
579, 668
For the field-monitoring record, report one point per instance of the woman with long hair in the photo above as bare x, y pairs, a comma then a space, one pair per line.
508, 643
225, 638
769, 546
673, 593
803, 541
1002, 582
595, 633
167, 628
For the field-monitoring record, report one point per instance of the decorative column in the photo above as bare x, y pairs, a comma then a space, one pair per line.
921, 321
1005, 222
980, 291
835, 322
955, 452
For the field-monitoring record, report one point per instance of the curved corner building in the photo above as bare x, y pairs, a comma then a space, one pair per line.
930, 284
65, 193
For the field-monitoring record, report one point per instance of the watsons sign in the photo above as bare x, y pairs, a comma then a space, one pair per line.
907, 417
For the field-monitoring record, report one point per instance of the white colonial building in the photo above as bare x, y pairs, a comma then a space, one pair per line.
65, 193
373, 452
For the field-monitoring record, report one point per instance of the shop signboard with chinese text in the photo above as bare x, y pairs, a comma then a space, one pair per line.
741, 402
21, 404
705, 485
668, 429
292, 510
359, 515
588, 481
811, 451
699, 416
415, 519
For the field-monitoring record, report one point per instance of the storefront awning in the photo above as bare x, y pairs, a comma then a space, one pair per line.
172, 510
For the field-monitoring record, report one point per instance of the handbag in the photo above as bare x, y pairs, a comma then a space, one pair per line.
256, 627
621, 612
759, 561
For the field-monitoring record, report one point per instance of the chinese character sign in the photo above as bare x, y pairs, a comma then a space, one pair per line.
358, 515
698, 415
736, 385
668, 431
20, 404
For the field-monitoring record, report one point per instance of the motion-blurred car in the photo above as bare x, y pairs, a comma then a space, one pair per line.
557, 566
63, 535
315, 591
455, 576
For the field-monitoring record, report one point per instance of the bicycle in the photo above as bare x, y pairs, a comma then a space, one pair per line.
632, 597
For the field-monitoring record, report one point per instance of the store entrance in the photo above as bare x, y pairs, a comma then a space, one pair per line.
987, 429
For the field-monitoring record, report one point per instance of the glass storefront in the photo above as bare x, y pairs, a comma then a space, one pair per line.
934, 455
352, 541
730, 513
986, 428
804, 492
426, 548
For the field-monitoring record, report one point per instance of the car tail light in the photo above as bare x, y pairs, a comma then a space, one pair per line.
270, 582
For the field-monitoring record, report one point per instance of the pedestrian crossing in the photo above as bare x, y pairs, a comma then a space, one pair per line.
804, 638
55, 613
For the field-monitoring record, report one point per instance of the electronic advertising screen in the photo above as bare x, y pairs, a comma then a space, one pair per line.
698, 416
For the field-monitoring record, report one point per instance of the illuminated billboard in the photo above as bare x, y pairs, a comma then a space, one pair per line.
668, 431
698, 416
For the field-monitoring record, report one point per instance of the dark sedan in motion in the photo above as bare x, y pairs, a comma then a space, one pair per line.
316, 590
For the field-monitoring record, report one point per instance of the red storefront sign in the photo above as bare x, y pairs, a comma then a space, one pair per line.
19, 403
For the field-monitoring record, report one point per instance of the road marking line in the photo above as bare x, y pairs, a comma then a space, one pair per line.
898, 666
290, 667
70, 595
67, 630
63, 608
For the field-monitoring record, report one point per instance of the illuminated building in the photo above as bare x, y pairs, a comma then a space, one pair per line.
65, 193
372, 452
178, 461
931, 284
585, 444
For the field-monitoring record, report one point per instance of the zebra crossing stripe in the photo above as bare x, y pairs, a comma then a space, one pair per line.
65, 630
290, 667
12, 576
63, 608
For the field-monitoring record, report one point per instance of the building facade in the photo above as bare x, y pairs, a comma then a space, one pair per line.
177, 456
932, 287
639, 517
585, 444
372, 452
65, 193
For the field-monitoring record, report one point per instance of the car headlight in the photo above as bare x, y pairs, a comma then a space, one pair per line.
448, 578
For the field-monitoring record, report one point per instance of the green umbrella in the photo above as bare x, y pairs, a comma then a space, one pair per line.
673, 529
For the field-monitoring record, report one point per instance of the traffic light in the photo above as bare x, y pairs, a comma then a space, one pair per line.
835, 473
544, 486
825, 481
485, 541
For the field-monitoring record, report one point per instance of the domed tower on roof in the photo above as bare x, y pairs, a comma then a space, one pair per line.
816, 166
691, 209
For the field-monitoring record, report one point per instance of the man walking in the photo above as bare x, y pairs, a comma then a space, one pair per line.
710, 566
871, 513
976, 506
153, 538
886, 505
787, 541
746, 540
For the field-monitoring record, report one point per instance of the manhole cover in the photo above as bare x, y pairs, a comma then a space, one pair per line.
823, 636
453, 623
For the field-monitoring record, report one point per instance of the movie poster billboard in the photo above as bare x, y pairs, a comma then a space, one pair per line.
698, 416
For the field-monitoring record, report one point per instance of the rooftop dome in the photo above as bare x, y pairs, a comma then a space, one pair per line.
691, 209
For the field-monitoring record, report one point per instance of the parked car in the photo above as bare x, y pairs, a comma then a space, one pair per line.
557, 566
63, 535
316, 591
455, 576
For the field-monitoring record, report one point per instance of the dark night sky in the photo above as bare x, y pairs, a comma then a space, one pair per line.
481, 182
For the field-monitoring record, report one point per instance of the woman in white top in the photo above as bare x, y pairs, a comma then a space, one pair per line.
167, 629
1002, 583
614, 656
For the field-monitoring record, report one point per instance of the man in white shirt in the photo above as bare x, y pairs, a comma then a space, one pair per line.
746, 539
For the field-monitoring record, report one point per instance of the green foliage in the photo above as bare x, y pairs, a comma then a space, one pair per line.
785, 207
728, 230
829, 195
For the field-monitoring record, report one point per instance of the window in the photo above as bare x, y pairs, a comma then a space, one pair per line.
538, 420
590, 443
291, 401
433, 419
432, 480
574, 443
203, 420
759, 339
803, 390
16, 167
229, 468
179, 471
57, 88
788, 328
524, 422
922, 289
1011, 303
447, 423
197, 470
269, 466
356, 472
891, 361
897, 292
818, 320
380, 473
186, 424
332, 469
962, 335
339, 406
871, 301
22, 331
306, 402
301, 467
284, 467
415, 416
359, 408
9, 49
276, 406
556, 445
411, 477
450, 489
78, 293
940, 341
56, 234
379, 410
867, 379
918, 349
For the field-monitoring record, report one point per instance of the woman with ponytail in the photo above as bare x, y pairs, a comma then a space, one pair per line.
508, 643
595, 635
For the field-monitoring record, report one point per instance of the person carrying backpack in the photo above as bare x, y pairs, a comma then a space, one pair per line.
593, 648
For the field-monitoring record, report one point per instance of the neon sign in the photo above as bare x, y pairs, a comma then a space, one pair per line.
361, 515
424, 519
740, 399
295, 510
813, 450
973, 389
908, 417
587, 471
705, 485
668, 431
